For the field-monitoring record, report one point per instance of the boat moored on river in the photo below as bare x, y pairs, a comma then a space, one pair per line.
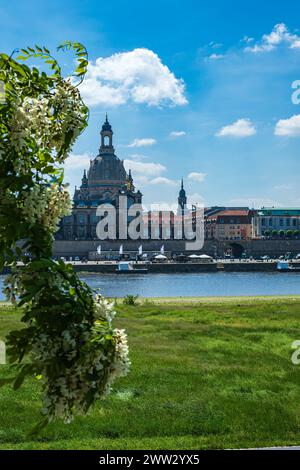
285, 267
128, 267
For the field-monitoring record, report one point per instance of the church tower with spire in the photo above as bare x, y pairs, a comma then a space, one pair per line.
182, 200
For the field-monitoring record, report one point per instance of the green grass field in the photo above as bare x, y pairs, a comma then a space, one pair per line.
210, 373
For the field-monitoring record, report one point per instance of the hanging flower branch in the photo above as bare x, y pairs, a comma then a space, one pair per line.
68, 338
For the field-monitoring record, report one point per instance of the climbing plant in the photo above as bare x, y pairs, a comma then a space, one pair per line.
68, 342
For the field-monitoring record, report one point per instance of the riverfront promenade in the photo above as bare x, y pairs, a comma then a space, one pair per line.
173, 267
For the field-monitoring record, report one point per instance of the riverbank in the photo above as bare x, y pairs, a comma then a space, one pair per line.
176, 268
171, 267
206, 373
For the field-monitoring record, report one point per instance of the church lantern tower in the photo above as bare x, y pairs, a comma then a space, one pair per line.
106, 138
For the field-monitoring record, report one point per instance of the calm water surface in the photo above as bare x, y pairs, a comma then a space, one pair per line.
192, 284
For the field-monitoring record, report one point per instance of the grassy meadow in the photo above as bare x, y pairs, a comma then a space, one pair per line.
206, 373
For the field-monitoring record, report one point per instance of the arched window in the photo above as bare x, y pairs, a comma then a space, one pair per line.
106, 141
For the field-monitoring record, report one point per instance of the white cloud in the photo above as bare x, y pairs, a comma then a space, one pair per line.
96, 93
163, 180
195, 198
78, 161
216, 56
288, 127
142, 142
175, 134
240, 128
194, 176
144, 169
138, 75
215, 45
138, 157
140, 180
247, 39
279, 35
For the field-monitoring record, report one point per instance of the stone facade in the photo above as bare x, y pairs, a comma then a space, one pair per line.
273, 222
229, 224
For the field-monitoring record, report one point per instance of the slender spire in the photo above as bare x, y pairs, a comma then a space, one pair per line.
130, 184
106, 126
84, 180
182, 199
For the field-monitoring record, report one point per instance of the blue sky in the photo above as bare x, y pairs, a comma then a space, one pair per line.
194, 89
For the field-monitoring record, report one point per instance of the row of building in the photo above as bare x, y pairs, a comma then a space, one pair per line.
245, 224
107, 180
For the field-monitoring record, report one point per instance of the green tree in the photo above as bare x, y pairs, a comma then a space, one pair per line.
68, 338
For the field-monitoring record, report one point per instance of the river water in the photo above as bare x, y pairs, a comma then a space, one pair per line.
192, 284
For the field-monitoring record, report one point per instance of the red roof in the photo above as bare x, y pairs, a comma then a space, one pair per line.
231, 213
236, 213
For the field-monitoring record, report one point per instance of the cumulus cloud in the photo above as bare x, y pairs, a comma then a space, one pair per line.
142, 142
240, 128
138, 157
195, 198
175, 134
77, 161
195, 176
216, 56
247, 39
148, 173
288, 127
279, 35
138, 76
163, 180
144, 168
140, 180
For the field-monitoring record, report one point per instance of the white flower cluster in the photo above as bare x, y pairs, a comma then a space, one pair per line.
104, 308
30, 118
46, 205
49, 121
67, 103
121, 363
94, 360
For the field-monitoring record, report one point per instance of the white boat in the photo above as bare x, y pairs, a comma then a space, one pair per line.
128, 267
285, 267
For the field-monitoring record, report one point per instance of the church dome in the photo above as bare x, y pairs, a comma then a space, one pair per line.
106, 167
